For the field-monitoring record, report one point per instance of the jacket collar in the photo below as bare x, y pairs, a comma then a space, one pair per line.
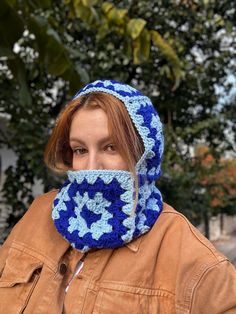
135, 244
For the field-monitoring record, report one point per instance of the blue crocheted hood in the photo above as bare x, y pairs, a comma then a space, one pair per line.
96, 208
145, 119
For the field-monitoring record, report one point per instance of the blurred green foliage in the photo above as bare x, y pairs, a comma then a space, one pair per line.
176, 52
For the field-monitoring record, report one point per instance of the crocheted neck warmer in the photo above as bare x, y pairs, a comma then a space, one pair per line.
96, 208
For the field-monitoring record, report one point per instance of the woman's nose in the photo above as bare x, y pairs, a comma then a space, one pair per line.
94, 162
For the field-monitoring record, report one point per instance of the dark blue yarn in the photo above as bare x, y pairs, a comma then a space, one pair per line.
89, 216
113, 191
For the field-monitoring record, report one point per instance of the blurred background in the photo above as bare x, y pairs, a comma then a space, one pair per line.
182, 54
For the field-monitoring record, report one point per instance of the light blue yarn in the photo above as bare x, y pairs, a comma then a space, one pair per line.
132, 105
85, 210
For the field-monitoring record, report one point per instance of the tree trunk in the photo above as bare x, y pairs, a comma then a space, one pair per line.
206, 224
221, 223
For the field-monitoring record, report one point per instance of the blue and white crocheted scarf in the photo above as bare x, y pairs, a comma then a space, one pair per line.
95, 208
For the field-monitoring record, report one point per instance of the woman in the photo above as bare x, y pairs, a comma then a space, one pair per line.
106, 243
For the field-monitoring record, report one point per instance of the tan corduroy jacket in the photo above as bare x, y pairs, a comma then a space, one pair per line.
171, 269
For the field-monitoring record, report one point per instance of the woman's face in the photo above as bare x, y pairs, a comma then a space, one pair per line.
91, 143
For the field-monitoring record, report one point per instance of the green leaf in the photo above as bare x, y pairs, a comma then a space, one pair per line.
53, 34
38, 26
141, 47
165, 70
24, 95
145, 44
135, 27
136, 51
219, 20
116, 16
106, 7
52, 52
11, 25
164, 47
87, 14
57, 63
81, 11
103, 30
84, 77
12, 3
169, 53
44, 4
17, 68
127, 48
6, 52
229, 26
89, 3
77, 77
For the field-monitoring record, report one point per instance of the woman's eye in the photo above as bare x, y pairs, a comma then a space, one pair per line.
82, 151
79, 151
110, 147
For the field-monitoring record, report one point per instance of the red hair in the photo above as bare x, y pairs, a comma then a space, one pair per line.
58, 153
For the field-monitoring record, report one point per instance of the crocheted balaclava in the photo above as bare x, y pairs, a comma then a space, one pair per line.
95, 208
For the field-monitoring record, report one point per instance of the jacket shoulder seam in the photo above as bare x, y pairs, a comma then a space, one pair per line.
185, 220
193, 289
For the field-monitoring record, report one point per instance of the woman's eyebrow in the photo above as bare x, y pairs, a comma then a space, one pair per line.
102, 140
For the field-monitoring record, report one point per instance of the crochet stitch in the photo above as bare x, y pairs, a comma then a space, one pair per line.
94, 208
